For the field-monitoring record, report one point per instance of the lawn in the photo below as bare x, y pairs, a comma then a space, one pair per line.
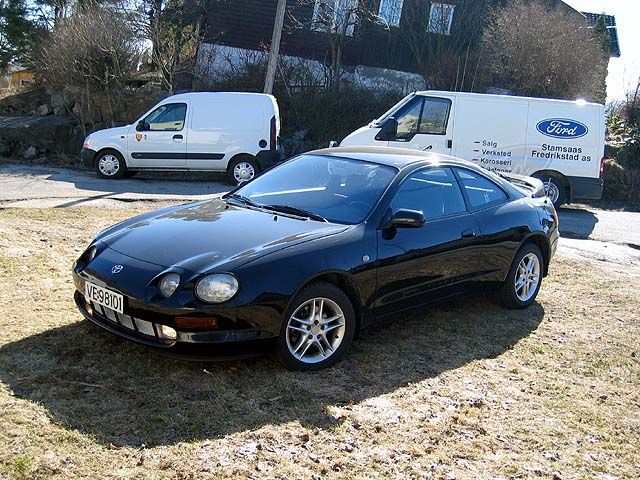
464, 390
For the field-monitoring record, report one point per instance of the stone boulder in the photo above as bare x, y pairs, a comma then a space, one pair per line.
24, 103
45, 134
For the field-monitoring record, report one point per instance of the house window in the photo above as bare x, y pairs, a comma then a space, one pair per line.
441, 18
391, 11
337, 15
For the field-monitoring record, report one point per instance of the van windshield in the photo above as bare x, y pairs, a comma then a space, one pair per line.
338, 190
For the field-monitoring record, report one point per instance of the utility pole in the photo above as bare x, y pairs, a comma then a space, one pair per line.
275, 46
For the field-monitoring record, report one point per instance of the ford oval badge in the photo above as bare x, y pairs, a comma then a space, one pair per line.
562, 128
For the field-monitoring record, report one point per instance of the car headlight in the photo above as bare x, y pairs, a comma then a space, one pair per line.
169, 284
216, 288
86, 142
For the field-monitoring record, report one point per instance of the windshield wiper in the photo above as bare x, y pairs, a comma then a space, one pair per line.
243, 199
295, 211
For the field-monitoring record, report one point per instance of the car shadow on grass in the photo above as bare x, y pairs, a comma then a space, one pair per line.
124, 394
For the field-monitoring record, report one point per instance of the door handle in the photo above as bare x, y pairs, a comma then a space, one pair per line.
428, 147
178, 137
471, 233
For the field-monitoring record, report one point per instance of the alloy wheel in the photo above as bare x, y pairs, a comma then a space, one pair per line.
551, 189
527, 277
315, 330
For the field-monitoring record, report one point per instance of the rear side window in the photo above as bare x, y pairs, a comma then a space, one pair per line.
434, 191
480, 191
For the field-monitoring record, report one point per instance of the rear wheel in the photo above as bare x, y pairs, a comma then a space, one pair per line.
242, 169
110, 164
317, 329
524, 279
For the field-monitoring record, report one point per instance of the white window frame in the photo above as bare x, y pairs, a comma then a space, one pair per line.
441, 25
338, 7
391, 12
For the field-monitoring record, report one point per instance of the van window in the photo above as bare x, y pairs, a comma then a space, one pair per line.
423, 115
435, 114
435, 191
408, 120
167, 117
480, 191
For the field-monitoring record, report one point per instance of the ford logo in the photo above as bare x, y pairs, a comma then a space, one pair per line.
562, 128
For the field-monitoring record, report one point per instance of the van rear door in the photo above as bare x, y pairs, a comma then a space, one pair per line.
159, 140
424, 124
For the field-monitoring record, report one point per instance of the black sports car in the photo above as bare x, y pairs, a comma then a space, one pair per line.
313, 250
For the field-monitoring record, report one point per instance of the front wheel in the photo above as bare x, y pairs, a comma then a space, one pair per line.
110, 164
317, 329
524, 279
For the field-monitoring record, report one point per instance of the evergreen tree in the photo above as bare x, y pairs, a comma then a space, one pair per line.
16, 32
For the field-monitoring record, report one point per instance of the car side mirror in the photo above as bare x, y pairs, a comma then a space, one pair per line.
333, 144
388, 130
141, 126
405, 218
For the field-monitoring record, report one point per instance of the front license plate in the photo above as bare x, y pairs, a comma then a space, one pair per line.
102, 296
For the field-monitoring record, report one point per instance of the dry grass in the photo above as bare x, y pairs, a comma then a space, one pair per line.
463, 390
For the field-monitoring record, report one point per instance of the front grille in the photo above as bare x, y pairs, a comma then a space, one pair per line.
135, 326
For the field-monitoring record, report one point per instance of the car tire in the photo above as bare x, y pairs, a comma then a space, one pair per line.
555, 189
242, 169
514, 294
110, 164
305, 335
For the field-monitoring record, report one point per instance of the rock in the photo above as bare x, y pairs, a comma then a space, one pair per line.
44, 133
24, 103
43, 110
30, 153
60, 110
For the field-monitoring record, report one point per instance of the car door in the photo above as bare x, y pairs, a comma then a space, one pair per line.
159, 140
418, 265
502, 229
423, 124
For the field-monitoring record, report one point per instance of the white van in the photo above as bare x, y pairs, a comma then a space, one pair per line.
559, 142
237, 133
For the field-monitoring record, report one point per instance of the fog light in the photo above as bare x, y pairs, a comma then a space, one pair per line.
169, 284
167, 333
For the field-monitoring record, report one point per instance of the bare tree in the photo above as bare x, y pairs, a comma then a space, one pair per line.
536, 50
92, 52
339, 21
444, 42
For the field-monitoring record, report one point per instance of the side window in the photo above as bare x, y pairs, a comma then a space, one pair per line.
435, 115
434, 191
480, 191
408, 120
168, 117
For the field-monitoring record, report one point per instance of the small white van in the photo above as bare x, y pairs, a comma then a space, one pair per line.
237, 133
559, 142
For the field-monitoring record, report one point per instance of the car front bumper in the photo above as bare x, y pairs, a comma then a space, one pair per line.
87, 156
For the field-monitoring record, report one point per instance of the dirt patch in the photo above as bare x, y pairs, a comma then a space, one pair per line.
465, 390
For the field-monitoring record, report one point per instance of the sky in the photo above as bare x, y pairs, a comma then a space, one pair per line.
624, 72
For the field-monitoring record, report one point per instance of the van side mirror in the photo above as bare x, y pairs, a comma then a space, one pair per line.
405, 218
141, 126
388, 130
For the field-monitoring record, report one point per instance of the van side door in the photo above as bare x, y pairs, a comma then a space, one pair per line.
159, 140
424, 124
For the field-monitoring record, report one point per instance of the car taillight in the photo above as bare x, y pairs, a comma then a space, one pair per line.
555, 217
602, 168
273, 144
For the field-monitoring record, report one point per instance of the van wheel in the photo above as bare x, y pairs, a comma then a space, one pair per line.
555, 190
110, 164
242, 169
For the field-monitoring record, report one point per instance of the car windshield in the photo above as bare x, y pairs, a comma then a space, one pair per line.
320, 187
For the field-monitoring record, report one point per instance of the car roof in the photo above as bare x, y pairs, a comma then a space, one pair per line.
395, 157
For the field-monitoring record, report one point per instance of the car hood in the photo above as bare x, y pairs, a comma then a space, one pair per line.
205, 236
